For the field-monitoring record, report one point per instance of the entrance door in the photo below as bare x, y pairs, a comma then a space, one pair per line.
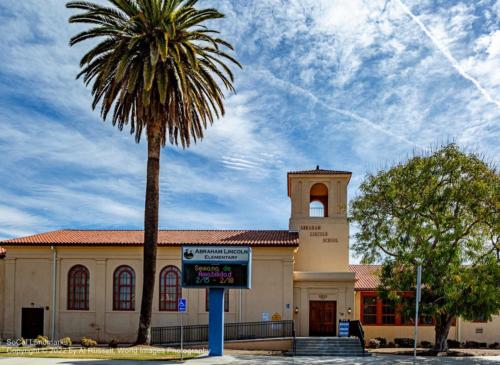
322, 318
32, 322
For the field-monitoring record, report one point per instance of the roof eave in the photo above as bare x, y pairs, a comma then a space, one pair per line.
137, 244
346, 174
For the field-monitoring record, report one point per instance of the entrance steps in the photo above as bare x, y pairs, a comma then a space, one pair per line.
329, 346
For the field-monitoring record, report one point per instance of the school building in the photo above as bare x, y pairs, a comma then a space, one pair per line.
88, 282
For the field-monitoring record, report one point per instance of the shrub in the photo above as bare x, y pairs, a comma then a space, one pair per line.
494, 345
454, 344
426, 344
65, 342
41, 341
88, 342
404, 342
471, 345
391, 344
373, 343
382, 340
113, 343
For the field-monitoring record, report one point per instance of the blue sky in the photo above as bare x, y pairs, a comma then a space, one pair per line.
350, 85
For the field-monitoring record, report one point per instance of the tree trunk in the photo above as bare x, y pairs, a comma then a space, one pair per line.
150, 233
442, 328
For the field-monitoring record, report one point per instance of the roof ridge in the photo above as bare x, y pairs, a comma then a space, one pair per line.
165, 230
165, 237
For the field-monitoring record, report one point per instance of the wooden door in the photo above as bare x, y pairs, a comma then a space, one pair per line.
322, 318
32, 322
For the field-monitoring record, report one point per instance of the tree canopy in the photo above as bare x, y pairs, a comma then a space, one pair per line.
439, 210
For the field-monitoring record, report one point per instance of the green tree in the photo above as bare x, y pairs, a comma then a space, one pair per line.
440, 210
159, 69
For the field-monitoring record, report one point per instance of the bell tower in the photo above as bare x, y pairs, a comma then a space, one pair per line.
319, 213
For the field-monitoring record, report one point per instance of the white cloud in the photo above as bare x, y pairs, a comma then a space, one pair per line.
347, 84
446, 52
243, 140
485, 62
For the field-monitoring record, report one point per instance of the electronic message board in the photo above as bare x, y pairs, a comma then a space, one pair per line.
216, 267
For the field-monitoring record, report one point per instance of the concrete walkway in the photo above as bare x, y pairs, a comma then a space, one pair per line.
312, 360
271, 360
45, 361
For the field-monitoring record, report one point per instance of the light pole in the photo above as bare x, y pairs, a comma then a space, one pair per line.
417, 301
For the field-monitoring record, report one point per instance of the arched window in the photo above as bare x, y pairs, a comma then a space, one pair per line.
124, 289
170, 288
318, 201
78, 288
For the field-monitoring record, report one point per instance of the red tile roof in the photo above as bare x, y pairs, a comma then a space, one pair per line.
318, 171
366, 276
165, 238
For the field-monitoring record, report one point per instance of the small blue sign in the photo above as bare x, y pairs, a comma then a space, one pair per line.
182, 305
343, 328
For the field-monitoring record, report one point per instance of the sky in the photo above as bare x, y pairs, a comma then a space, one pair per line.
344, 84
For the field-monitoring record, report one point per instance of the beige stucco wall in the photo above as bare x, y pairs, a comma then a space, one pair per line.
27, 272
338, 287
322, 259
27, 284
324, 241
488, 332
463, 331
389, 332
2, 289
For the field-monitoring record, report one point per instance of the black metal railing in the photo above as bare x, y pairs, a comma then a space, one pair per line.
356, 329
316, 212
232, 331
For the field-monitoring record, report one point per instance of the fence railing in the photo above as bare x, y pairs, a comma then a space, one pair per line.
316, 212
356, 329
232, 331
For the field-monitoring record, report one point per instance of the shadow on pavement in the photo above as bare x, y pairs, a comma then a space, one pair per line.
375, 360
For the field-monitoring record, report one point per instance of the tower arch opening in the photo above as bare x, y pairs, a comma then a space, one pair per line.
318, 200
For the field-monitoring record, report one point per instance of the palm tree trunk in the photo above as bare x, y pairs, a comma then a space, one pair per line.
150, 233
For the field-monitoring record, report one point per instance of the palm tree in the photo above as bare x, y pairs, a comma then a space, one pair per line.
158, 69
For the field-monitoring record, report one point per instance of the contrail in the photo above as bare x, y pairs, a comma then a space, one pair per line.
299, 90
448, 54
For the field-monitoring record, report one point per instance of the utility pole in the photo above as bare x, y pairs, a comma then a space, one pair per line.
417, 301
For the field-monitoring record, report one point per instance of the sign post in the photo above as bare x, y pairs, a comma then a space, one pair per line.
182, 307
216, 322
417, 301
216, 268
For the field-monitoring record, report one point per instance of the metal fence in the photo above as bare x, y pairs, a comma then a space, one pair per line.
232, 331
316, 212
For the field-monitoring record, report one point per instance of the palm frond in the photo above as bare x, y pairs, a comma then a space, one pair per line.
155, 62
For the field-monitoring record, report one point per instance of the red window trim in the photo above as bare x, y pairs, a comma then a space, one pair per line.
73, 287
165, 304
117, 286
398, 316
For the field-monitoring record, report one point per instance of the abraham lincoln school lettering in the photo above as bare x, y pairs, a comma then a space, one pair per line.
79, 283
